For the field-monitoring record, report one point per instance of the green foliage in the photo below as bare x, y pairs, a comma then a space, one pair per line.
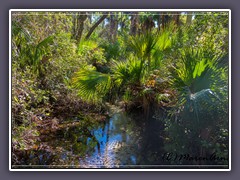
29, 52
164, 44
164, 40
199, 105
91, 52
111, 50
20, 34
91, 85
196, 69
142, 45
182, 69
127, 72
87, 44
162, 97
27, 97
63, 63
127, 97
200, 76
208, 31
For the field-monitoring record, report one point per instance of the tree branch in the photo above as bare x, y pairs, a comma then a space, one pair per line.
95, 26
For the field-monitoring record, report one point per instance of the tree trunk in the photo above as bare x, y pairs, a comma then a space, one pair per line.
113, 27
163, 20
122, 21
78, 25
74, 28
90, 18
148, 25
189, 18
95, 26
134, 23
177, 18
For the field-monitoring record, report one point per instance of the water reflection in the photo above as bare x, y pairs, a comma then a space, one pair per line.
117, 143
120, 141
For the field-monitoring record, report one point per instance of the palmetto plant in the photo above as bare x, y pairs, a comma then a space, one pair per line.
143, 45
151, 47
194, 77
165, 41
201, 109
91, 85
125, 73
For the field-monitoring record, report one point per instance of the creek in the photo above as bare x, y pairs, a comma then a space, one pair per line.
122, 141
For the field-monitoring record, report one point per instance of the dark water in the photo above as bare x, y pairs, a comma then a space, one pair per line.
120, 142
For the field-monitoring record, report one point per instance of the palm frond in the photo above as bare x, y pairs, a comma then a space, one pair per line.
126, 72
92, 86
121, 72
41, 49
196, 70
142, 44
164, 41
195, 77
